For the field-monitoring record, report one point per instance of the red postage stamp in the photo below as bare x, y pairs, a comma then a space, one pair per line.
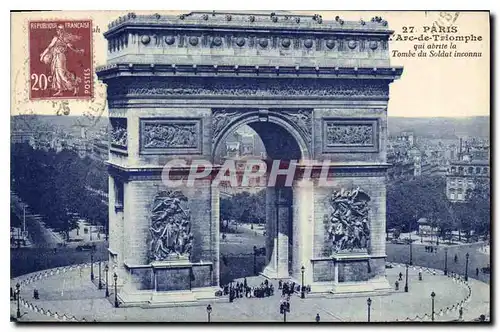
61, 59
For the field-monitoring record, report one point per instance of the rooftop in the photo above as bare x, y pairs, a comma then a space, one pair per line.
250, 20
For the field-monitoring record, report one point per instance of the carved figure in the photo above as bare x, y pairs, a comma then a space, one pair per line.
337, 134
55, 56
347, 223
220, 120
118, 133
170, 227
303, 119
162, 135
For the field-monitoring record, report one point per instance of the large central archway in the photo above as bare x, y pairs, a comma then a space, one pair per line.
283, 142
315, 91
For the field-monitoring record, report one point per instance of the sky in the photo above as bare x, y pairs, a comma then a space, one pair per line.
429, 87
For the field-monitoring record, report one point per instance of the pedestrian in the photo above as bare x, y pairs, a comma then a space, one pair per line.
317, 318
460, 313
456, 258
477, 271
397, 285
432, 249
400, 276
35, 294
280, 284
420, 275
245, 283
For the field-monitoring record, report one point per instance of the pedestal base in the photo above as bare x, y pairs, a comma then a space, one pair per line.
152, 299
168, 283
271, 273
360, 288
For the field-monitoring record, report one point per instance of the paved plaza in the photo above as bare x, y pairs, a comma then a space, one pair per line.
71, 293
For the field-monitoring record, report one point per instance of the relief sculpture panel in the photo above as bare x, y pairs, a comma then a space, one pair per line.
118, 133
170, 229
341, 135
170, 136
347, 221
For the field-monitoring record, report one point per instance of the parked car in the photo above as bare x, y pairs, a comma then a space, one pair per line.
85, 247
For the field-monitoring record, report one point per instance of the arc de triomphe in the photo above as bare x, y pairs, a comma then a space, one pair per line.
313, 90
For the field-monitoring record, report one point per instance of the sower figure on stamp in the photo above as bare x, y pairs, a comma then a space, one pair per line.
55, 55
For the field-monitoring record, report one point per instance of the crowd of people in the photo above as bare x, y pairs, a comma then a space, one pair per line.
265, 289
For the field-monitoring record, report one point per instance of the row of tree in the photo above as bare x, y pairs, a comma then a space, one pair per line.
244, 207
54, 185
425, 197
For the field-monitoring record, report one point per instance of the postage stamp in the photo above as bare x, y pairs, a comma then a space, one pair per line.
60, 59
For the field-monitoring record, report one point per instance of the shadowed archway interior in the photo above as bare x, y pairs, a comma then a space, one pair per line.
281, 145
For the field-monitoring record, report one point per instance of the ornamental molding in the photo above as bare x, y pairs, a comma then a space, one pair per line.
248, 40
250, 87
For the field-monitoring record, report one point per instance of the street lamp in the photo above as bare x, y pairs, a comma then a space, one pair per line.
255, 260
18, 291
92, 263
411, 252
369, 302
106, 269
115, 277
411, 247
445, 261
302, 294
467, 267
432, 296
209, 311
406, 283
100, 283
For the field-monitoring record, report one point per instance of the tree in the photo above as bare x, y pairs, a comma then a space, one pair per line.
54, 185
475, 213
407, 201
244, 207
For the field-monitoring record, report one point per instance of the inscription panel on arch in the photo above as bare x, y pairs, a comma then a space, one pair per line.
170, 136
350, 135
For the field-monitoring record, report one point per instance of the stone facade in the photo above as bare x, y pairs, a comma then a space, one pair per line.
313, 90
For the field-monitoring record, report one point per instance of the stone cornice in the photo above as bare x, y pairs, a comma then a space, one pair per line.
173, 70
335, 170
